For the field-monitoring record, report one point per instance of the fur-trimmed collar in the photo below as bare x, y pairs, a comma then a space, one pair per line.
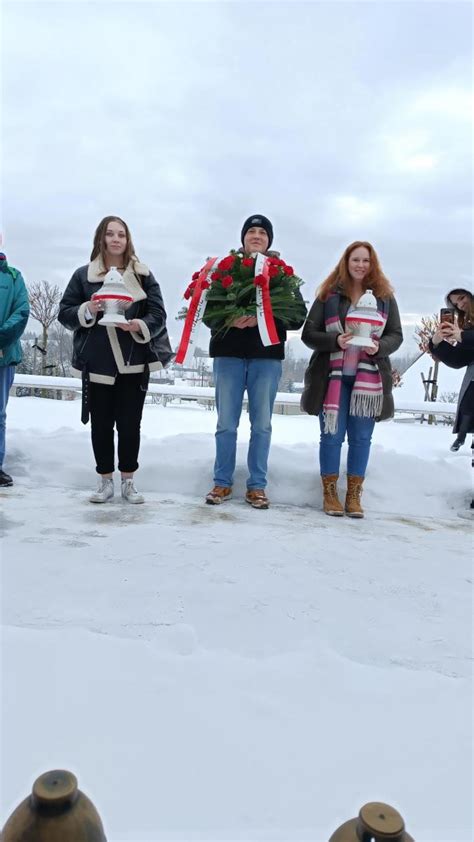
96, 272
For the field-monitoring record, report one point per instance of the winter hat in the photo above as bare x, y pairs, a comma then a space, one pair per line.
261, 222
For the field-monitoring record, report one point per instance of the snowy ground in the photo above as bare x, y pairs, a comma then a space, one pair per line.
225, 674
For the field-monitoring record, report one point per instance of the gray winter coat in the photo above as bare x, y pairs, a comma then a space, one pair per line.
317, 374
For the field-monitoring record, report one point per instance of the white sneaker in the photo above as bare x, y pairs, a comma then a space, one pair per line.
130, 493
104, 492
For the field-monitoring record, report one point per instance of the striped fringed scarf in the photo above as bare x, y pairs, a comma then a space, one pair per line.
367, 391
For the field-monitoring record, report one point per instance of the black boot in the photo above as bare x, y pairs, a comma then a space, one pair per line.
5, 479
457, 443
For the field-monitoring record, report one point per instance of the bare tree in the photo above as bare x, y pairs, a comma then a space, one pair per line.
44, 304
423, 334
425, 330
60, 346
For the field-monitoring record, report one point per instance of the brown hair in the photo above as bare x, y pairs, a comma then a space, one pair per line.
99, 247
340, 280
465, 320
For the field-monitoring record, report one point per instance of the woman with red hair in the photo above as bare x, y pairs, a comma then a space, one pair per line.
349, 386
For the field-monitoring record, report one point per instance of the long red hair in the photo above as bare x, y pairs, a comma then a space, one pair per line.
340, 280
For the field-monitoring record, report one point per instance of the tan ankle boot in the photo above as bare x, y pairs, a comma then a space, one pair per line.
354, 491
331, 503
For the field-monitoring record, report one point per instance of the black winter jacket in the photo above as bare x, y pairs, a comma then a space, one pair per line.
459, 356
105, 352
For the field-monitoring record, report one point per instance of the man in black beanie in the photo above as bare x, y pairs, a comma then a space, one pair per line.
256, 222
243, 363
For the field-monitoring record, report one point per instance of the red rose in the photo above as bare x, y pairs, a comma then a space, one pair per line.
288, 270
247, 261
226, 263
259, 281
196, 276
189, 292
273, 271
205, 285
215, 276
227, 281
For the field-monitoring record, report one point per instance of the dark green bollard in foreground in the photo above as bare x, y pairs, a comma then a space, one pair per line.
376, 822
56, 811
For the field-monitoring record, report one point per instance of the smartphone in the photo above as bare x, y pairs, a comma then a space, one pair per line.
446, 315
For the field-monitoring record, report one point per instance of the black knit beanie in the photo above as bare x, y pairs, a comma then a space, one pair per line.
258, 221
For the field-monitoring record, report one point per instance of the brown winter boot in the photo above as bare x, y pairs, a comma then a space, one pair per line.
354, 490
331, 503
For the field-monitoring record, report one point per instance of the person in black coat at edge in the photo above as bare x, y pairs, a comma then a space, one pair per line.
459, 355
115, 362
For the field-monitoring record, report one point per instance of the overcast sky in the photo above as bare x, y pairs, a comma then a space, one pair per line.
338, 120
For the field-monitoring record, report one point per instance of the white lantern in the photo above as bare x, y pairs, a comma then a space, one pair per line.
363, 319
115, 297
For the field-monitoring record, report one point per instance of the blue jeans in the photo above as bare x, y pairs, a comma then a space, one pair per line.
359, 435
232, 376
7, 373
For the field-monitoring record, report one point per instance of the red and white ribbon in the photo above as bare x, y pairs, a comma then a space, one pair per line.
265, 320
193, 320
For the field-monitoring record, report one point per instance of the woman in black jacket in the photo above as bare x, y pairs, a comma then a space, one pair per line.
459, 355
115, 362
461, 331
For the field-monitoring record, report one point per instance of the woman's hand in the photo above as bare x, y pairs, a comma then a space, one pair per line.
373, 351
245, 321
133, 326
343, 340
454, 334
445, 332
95, 306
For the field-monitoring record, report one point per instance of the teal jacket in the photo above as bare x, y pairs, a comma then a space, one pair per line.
14, 313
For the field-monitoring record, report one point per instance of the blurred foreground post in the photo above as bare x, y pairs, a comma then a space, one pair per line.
56, 811
376, 822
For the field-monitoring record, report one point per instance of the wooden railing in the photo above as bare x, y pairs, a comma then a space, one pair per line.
205, 394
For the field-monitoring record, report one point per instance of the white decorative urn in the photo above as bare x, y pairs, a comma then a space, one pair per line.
363, 319
115, 298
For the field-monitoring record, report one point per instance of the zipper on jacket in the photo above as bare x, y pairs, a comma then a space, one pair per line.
83, 345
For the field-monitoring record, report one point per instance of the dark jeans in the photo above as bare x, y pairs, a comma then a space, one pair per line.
7, 373
120, 406
359, 431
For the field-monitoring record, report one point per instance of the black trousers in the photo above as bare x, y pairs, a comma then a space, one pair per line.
466, 412
120, 406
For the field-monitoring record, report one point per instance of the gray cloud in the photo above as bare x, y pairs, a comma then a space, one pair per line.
337, 120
